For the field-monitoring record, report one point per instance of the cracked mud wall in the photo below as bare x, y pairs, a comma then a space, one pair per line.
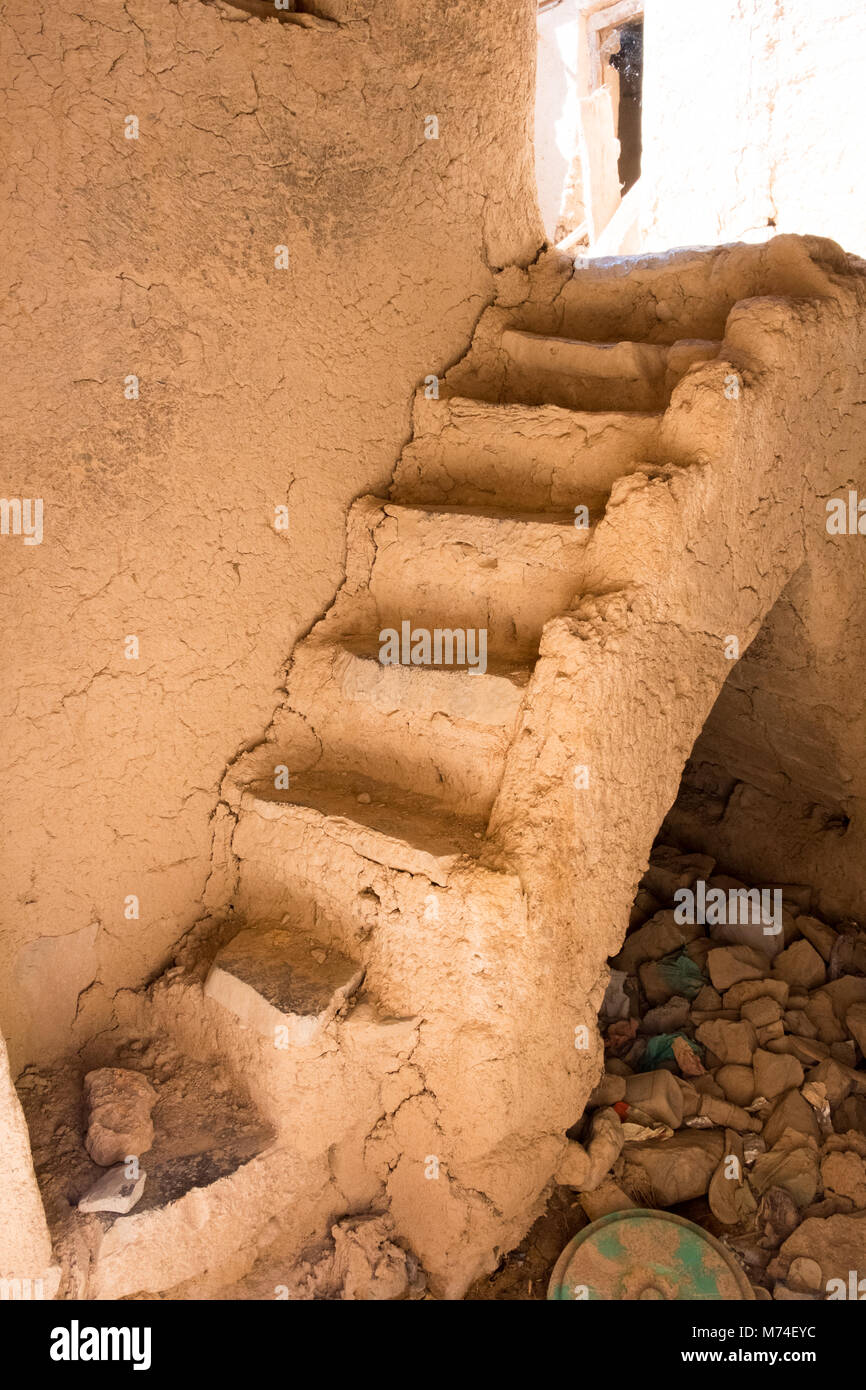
258, 388
752, 113
777, 778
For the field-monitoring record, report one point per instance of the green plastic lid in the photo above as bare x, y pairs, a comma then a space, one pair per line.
643, 1254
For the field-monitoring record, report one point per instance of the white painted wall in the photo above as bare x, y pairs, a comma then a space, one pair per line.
556, 107
753, 109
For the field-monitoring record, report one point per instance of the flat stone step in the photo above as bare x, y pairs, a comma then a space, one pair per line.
270, 980
386, 824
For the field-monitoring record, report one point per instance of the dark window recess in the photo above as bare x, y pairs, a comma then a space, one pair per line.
629, 64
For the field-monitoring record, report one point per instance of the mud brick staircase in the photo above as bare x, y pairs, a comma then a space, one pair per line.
418, 924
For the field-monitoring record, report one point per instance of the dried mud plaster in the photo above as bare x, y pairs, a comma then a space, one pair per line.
435, 857
471, 849
258, 388
428, 822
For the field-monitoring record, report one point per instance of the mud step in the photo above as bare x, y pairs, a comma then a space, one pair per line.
272, 980
442, 731
540, 458
628, 376
396, 828
467, 567
664, 296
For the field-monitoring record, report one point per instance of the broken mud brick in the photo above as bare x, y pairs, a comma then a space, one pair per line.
842, 993
729, 965
771, 1032
775, 1074
837, 1080
761, 1011
730, 1042
819, 935
798, 1021
670, 869
118, 1103
822, 1015
660, 936
669, 1017
737, 1082
836, 1244
709, 1000
740, 993
808, 1051
800, 965
844, 1175
791, 1112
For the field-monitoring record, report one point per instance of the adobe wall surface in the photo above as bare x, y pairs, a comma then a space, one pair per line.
750, 114
777, 779
259, 387
25, 1244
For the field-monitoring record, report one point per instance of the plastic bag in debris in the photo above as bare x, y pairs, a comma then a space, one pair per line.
635, 1133
681, 975
660, 1049
815, 1092
688, 1061
616, 1003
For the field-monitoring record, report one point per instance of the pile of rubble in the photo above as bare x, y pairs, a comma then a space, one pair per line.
119, 1129
734, 1027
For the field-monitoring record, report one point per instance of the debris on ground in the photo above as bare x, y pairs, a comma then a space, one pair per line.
734, 1050
361, 1263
